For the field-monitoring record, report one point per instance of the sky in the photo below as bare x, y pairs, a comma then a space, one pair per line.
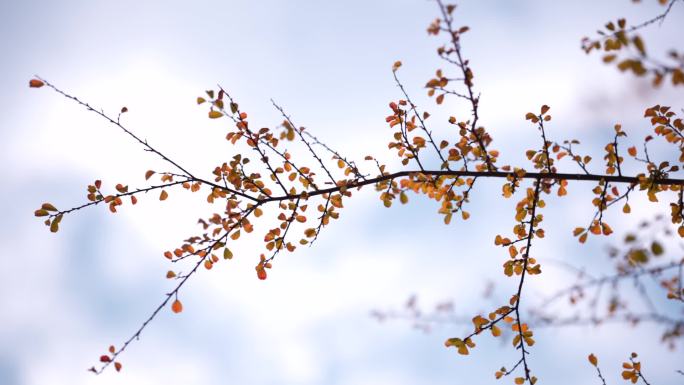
65, 297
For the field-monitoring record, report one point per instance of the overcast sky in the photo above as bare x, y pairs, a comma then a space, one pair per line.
65, 298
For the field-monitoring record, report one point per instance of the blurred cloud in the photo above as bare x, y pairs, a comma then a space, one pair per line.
65, 298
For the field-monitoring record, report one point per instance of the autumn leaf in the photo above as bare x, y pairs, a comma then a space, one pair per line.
48, 207
261, 273
177, 306
632, 151
36, 83
593, 360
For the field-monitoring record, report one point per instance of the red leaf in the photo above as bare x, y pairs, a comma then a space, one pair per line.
261, 273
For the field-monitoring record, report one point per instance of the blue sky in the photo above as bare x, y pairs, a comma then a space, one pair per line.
66, 297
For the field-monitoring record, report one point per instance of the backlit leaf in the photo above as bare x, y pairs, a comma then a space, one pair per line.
177, 306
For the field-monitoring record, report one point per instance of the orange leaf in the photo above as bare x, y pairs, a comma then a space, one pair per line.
632, 151
592, 359
163, 195
117, 366
35, 83
177, 306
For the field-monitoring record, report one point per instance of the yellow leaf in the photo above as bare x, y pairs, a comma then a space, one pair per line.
215, 114
48, 207
336, 201
54, 226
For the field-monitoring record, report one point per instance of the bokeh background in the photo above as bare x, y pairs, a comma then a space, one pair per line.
64, 298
